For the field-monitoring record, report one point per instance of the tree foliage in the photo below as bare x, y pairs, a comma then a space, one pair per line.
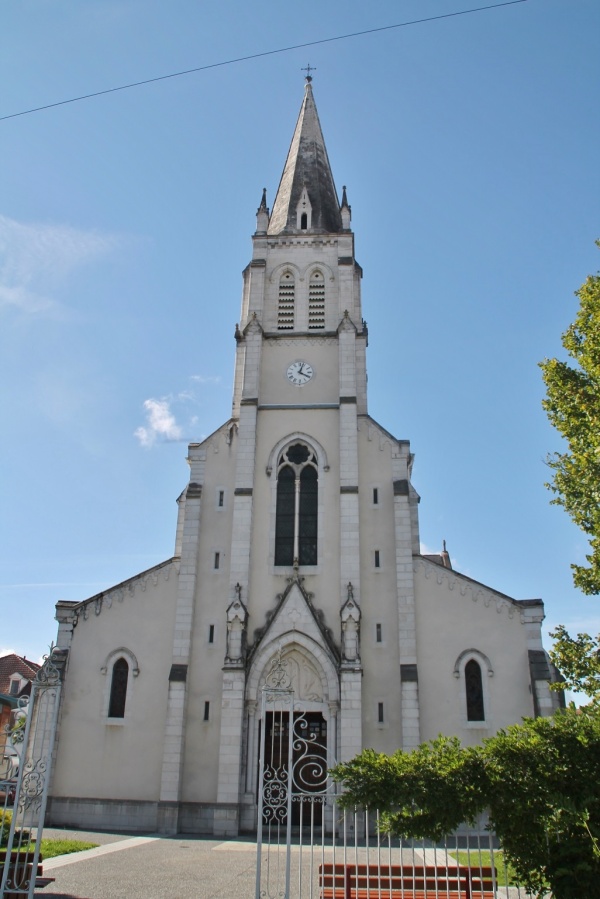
573, 406
578, 660
539, 782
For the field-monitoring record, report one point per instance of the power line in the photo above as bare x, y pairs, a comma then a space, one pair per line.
229, 62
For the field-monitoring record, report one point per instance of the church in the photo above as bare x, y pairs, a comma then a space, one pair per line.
298, 540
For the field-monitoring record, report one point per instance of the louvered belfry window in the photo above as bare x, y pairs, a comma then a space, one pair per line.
285, 307
296, 513
118, 689
474, 688
316, 301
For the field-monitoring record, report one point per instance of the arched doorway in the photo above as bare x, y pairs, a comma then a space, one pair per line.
292, 734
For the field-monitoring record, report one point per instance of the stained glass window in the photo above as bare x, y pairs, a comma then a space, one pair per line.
284, 528
296, 528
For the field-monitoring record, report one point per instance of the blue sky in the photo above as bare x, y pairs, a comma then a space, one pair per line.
469, 148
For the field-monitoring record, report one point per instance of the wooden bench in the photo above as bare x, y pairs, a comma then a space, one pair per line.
21, 866
351, 881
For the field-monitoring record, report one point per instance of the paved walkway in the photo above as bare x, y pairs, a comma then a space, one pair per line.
151, 867
179, 867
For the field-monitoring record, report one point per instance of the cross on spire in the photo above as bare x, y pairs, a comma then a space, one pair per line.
308, 69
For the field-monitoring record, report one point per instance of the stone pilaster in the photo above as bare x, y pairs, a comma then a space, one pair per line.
174, 736
350, 719
226, 816
405, 591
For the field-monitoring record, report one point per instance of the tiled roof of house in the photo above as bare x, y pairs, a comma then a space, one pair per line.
13, 664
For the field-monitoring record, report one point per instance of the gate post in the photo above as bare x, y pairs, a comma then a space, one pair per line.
35, 769
275, 790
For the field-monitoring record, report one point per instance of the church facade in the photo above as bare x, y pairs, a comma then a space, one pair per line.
297, 538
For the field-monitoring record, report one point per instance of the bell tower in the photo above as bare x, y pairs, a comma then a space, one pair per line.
302, 288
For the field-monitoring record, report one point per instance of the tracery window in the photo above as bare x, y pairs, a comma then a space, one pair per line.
474, 691
296, 515
118, 689
316, 301
286, 301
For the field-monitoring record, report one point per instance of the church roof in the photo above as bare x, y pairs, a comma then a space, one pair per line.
307, 166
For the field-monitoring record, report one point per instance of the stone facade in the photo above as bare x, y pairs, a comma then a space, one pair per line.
388, 646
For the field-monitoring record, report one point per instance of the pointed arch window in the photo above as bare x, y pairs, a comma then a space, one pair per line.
118, 689
316, 301
474, 691
286, 302
296, 515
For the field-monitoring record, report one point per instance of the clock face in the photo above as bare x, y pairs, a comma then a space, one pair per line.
299, 373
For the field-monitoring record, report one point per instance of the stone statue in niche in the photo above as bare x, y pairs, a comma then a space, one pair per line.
237, 617
350, 615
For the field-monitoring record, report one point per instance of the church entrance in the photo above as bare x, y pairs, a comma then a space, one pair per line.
294, 767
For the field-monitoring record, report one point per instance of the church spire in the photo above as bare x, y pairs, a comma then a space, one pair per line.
306, 198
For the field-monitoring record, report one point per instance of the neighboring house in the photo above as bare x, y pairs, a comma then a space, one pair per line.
297, 539
16, 675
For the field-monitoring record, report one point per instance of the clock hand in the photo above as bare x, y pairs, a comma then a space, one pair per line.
300, 372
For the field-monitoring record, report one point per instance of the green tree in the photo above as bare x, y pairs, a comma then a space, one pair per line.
578, 660
538, 780
573, 406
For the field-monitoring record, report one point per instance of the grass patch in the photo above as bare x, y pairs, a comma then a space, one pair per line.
52, 848
506, 874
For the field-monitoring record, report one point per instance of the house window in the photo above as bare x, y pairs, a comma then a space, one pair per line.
221, 499
206, 711
217, 560
375, 496
211, 633
118, 689
14, 687
474, 691
304, 221
297, 507
378, 633
316, 301
380, 713
377, 559
285, 308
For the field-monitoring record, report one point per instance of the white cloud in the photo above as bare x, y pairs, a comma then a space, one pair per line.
206, 379
161, 423
35, 258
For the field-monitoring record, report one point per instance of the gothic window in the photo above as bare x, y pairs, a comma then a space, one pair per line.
118, 689
316, 301
285, 307
296, 511
474, 691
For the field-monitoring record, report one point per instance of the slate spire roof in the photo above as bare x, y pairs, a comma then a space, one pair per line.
307, 166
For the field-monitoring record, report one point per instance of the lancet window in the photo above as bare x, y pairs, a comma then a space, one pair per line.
286, 302
297, 507
316, 301
118, 689
474, 691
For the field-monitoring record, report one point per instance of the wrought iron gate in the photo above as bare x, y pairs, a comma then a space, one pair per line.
31, 733
292, 781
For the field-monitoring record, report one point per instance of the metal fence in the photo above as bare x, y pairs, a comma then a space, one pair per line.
332, 853
308, 847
